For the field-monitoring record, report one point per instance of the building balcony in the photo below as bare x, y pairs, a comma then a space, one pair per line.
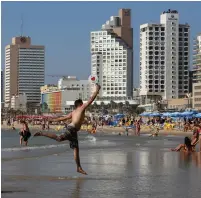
196, 67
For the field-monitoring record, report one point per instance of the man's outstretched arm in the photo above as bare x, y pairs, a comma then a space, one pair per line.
92, 98
67, 117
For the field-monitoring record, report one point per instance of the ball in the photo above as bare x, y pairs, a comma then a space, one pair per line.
93, 79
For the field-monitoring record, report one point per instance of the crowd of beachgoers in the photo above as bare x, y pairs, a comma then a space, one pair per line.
124, 124
155, 123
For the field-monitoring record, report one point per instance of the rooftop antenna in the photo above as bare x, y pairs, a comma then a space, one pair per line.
21, 27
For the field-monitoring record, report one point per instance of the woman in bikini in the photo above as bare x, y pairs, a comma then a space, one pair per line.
25, 133
193, 140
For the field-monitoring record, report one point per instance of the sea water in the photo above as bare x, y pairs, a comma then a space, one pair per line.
117, 166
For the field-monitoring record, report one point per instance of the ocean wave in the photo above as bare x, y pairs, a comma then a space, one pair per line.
90, 138
33, 147
94, 140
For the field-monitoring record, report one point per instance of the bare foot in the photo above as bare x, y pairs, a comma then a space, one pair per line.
80, 170
37, 134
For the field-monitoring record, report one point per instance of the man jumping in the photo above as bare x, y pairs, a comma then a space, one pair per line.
77, 117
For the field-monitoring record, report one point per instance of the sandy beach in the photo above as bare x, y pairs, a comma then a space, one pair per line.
104, 129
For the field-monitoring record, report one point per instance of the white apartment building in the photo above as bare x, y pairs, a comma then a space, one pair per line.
112, 56
24, 69
197, 95
72, 83
197, 59
197, 73
19, 102
60, 99
164, 58
2, 85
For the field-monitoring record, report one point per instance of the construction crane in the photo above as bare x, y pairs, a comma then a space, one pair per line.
57, 75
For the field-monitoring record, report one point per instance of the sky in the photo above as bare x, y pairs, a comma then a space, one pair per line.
64, 28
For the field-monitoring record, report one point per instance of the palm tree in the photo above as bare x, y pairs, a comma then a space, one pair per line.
127, 103
95, 106
18, 112
139, 110
120, 107
113, 104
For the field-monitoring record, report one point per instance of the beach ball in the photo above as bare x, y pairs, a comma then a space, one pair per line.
93, 79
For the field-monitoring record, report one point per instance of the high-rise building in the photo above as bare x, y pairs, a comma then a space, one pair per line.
2, 85
112, 56
24, 70
197, 73
197, 59
164, 58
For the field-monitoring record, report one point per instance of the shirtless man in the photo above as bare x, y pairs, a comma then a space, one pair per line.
77, 117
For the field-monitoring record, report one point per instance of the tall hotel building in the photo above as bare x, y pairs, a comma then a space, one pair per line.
2, 85
164, 58
24, 70
197, 73
197, 59
112, 56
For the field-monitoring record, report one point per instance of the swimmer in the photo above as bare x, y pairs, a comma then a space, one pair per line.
24, 133
77, 117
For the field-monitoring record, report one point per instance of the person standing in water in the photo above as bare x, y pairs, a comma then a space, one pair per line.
77, 117
25, 133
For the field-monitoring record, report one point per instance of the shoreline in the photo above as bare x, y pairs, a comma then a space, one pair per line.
105, 129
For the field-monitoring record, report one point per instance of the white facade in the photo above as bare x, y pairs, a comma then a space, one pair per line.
19, 102
197, 59
2, 86
72, 84
112, 56
7, 76
164, 57
110, 62
31, 68
197, 95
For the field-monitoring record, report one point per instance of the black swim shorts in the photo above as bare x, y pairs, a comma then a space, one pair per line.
71, 135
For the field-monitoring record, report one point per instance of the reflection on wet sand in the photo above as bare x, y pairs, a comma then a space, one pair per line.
196, 157
76, 192
188, 158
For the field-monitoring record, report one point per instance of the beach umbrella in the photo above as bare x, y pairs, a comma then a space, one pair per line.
145, 114
187, 114
155, 114
167, 114
198, 115
119, 116
176, 114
